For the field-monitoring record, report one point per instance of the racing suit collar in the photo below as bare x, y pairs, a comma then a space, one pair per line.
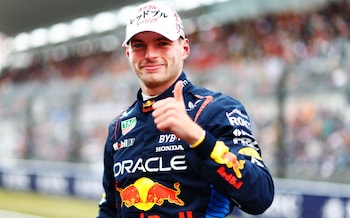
146, 106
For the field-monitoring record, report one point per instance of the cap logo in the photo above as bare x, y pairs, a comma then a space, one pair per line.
158, 17
149, 14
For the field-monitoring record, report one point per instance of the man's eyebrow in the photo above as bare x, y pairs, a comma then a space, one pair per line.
161, 38
135, 40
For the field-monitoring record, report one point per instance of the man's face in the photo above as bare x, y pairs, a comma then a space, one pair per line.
156, 60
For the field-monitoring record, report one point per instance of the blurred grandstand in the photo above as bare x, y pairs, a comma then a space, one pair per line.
288, 62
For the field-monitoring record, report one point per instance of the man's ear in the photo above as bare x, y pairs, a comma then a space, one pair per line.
127, 53
186, 48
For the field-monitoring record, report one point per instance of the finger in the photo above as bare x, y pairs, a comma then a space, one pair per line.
160, 103
178, 92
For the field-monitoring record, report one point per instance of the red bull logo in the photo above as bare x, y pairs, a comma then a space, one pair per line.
222, 155
145, 193
147, 106
250, 152
130, 195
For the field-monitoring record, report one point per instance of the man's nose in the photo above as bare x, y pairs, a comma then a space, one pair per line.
151, 52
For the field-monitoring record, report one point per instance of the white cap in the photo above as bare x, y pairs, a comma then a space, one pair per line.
154, 16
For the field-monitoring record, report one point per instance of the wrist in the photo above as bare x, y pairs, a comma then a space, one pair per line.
199, 141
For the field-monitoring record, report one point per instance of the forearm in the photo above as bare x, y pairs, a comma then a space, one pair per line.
243, 177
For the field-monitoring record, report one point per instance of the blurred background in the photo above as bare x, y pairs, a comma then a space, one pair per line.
64, 76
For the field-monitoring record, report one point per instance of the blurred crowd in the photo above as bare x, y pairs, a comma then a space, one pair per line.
290, 69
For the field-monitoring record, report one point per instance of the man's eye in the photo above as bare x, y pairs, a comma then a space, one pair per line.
163, 43
137, 45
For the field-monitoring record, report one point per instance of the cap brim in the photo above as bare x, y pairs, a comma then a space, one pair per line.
168, 36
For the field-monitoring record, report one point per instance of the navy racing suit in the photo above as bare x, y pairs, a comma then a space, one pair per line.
149, 173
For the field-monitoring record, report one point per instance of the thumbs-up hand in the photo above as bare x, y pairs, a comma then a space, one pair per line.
170, 115
178, 96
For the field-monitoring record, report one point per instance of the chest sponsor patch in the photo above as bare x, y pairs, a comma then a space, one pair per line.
128, 125
123, 144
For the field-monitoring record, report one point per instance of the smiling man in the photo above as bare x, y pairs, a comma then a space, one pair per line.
180, 150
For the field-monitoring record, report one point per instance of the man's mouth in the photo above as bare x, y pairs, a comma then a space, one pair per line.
152, 67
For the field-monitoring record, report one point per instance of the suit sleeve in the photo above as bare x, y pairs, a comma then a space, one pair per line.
231, 157
107, 206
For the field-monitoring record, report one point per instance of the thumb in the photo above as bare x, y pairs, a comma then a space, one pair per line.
178, 92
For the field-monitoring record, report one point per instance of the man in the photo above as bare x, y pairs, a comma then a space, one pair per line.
179, 150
